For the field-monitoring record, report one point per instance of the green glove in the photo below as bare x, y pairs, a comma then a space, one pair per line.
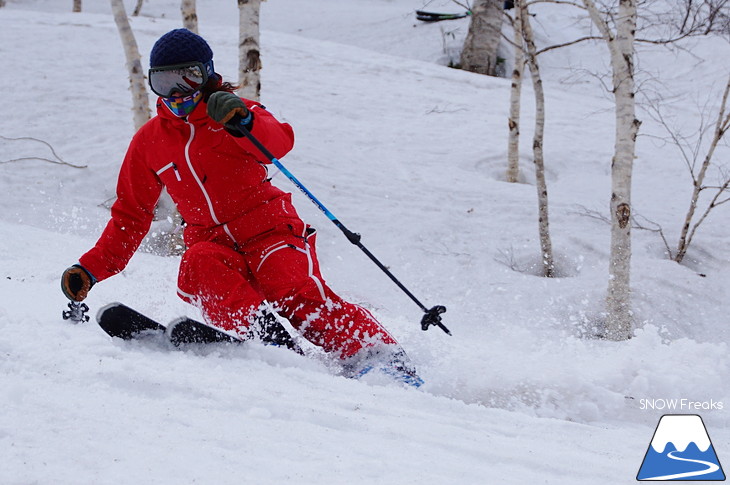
223, 106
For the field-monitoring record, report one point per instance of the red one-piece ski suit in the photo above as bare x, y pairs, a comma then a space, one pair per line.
246, 243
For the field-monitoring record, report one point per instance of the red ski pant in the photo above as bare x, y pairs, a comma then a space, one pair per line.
230, 285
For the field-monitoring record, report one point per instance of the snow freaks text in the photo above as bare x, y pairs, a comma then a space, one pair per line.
680, 405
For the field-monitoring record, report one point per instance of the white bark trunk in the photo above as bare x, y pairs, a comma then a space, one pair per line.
722, 125
513, 143
137, 8
249, 66
76, 7
140, 102
621, 48
546, 246
189, 15
480, 46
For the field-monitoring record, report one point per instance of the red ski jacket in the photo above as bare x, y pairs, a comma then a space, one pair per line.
218, 182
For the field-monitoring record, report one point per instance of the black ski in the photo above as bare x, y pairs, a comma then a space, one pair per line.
437, 17
185, 330
119, 320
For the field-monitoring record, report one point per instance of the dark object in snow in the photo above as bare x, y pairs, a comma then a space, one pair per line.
438, 17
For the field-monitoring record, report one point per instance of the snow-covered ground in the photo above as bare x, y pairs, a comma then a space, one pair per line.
411, 154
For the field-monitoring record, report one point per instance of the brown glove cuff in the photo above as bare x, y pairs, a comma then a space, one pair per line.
242, 112
76, 283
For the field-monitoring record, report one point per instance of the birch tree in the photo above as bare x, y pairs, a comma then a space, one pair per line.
522, 11
482, 40
537, 142
140, 101
165, 241
249, 54
513, 144
620, 41
77, 6
721, 195
526, 52
189, 15
137, 8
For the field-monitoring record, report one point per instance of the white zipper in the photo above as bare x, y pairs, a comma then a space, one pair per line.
200, 184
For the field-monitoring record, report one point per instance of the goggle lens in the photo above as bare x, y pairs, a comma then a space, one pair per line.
185, 79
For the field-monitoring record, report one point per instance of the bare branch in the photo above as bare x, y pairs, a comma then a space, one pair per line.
507, 258
636, 223
714, 203
58, 160
720, 129
558, 2
566, 44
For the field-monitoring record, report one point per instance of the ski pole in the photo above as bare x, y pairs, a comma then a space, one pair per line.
432, 316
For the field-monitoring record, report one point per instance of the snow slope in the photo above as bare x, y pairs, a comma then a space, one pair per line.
411, 155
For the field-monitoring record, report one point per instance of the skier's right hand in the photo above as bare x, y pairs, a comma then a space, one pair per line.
76, 282
224, 106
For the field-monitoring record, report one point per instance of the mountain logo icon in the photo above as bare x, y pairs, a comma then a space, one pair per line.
681, 450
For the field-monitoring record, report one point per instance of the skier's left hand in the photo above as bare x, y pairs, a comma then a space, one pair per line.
223, 106
76, 283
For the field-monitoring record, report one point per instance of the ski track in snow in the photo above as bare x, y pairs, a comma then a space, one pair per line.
411, 155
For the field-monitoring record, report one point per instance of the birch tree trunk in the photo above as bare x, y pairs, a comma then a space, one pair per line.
140, 102
546, 246
189, 15
513, 143
249, 64
170, 242
721, 127
77, 5
485, 29
137, 8
621, 48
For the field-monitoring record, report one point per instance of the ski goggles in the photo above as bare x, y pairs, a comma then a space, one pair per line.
179, 79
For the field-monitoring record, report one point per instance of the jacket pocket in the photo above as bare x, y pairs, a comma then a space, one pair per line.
170, 166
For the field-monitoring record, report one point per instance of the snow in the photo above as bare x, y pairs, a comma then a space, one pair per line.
410, 154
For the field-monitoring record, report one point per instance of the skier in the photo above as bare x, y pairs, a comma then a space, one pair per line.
246, 245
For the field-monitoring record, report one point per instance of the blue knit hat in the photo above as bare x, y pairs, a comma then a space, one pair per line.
179, 46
